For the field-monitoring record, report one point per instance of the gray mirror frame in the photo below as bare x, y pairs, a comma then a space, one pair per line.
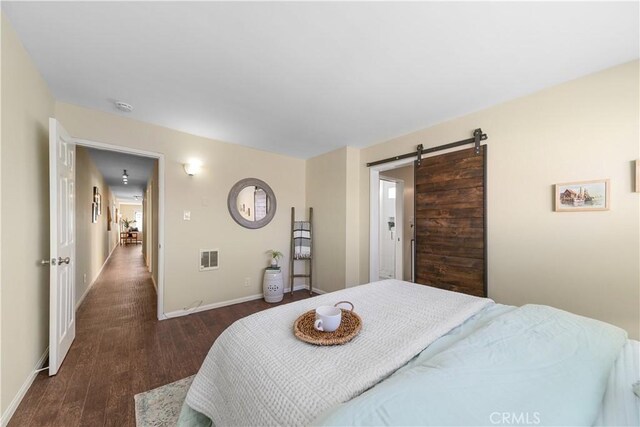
233, 198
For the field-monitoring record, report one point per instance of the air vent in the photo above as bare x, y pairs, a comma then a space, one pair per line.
209, 259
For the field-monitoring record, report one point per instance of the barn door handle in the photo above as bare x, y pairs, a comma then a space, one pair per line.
63, 260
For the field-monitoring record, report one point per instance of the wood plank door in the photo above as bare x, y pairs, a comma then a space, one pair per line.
451, 221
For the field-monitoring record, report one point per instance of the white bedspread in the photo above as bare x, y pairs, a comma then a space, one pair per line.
258, 373
620, 407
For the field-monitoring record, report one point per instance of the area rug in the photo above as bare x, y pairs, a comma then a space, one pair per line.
161, 406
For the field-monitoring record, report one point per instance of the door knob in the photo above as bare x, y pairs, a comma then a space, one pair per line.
63, 260
51, 261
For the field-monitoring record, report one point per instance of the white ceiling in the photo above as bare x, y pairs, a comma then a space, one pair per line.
111, 165
305, 78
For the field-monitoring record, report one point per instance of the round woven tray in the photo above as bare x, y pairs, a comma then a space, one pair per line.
349, 327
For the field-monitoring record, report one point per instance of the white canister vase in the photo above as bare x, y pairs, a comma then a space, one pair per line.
272, 285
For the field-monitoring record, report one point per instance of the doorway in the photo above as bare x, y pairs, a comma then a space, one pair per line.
391, 228
135, 182
450, 239
63, 149
392, 256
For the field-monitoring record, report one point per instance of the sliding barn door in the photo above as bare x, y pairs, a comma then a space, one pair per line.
450, 221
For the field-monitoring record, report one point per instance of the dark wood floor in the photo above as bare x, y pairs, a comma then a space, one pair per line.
121, 349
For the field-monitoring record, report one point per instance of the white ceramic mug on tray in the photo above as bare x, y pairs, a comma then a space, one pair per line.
328, 317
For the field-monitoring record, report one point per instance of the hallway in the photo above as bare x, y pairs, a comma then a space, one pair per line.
121, 349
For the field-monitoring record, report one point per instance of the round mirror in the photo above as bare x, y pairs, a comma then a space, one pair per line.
252, 203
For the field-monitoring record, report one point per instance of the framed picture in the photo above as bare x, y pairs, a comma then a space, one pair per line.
94, 212
99, 204
637, 176
582, 196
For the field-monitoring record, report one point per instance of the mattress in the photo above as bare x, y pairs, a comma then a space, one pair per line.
620, 407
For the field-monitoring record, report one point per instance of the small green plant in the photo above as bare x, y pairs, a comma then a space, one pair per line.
127, 223
275, 256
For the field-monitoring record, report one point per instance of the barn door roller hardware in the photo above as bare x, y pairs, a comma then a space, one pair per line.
419, 154
478, 136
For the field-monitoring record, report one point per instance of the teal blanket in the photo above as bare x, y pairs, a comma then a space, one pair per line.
533, 365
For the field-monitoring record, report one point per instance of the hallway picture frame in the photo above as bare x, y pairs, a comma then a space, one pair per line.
94, 212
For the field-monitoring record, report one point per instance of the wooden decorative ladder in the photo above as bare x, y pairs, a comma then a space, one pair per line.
293, 258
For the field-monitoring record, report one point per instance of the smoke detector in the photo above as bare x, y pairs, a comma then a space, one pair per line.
123, 106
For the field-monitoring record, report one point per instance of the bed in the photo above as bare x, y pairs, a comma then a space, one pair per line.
425, 356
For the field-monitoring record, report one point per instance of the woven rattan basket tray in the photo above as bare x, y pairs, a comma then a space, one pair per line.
349, 328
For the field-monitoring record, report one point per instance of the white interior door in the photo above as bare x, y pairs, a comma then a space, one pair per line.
399, 237
62, 314
391, 208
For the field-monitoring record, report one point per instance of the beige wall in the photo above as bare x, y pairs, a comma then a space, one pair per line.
242, 251
406, 174
93, 242
145, 217
332, 187
587, 262
326, 177
26, 108
154, 230
352, 217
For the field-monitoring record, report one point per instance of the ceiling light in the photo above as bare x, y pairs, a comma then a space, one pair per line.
124, 107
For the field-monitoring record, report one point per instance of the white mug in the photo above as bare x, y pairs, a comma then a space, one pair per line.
328, 318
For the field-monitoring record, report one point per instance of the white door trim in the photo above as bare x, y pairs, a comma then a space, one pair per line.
160, 244
374, 213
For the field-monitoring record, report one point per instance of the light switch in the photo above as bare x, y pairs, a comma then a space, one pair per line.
187, 216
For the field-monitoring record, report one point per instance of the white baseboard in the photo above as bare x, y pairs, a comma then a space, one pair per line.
295, 288
186, 312
11, 409
298, 287
84, 295
179, 313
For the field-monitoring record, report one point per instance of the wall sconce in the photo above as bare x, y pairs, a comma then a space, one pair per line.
192, 168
